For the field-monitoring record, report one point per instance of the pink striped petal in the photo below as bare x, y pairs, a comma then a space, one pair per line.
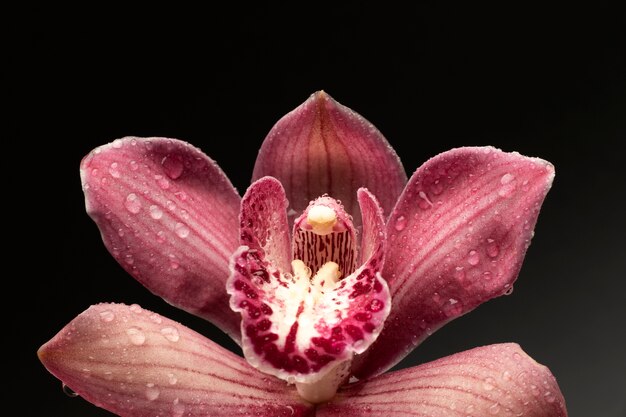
168, 214
457, 238
322, 147
136, 363
498, 380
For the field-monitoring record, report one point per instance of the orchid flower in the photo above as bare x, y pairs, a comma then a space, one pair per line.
327, 272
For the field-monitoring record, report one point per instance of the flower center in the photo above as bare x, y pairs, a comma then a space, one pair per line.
305, 324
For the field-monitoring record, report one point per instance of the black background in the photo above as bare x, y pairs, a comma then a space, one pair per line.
547, 83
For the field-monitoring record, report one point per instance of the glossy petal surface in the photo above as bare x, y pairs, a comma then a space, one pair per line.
168, 215
457, 238
498, 380
136, 363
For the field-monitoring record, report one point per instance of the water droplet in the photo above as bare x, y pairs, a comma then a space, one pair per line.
494, 409
107, 316
68, 391
181, 195
114, 171
108, 375
181, 230
534, 390
488, 384
95, 172
162, 181
132, 203
469, 409
549, 396
155, 212
400, 223
156, 318
459, 273
136, 308
170, 333
173, 166
492, 248
506, 375
508, 290
171, 206
425, 203
134, 166
117, 143
152, 392
486, 275
473, 258
171, 378
508, 185
136, 336
129, 259
178, 408
453, 308
173, 263
506, 178
517, 357
437, 187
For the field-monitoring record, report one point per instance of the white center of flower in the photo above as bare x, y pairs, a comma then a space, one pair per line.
321, 219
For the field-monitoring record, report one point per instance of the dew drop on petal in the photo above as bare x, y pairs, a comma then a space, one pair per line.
473, 258
155, 212
506, 375
506, 178
107, 316
178, 408
492, 248
136, 336
156, 318
425, 202
400, 223
68, 391
517, 357
134, 166
172, 166
132, 203
171, 378
170, 333
114, 170
488, 384
494, 409
549, 396
181, 230
171, 206
117, 143
136, 308
152, 392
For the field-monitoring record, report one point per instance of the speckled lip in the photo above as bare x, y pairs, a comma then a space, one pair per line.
300, 322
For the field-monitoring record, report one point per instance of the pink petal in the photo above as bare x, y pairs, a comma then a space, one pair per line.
263, 221
457, 238
322, 147
168, 214
136, 363
299, 327
498, 380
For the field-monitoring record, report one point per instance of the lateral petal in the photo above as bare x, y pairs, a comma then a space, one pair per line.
500, 380
136, 363
168, 215
456, 238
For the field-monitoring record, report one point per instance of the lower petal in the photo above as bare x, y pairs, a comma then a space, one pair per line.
498, 380
136, 363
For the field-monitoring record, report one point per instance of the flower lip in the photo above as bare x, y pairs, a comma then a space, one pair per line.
301, 322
